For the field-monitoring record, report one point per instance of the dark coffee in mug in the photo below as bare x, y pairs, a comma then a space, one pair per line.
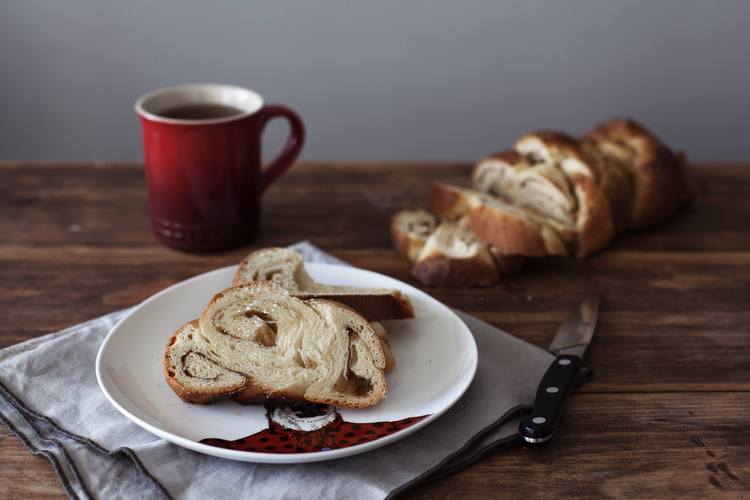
206, 111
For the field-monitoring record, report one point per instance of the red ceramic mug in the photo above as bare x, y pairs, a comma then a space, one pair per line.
203, 163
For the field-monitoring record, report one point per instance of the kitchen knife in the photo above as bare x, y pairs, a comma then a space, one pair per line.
569, 345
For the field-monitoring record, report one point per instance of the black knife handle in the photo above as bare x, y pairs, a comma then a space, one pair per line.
551, 396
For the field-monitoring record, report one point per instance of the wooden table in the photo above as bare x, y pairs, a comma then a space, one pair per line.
667, 413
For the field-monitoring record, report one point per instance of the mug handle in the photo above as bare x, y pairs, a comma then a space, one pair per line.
291, 149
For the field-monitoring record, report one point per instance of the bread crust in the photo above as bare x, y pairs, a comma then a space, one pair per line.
449, 201
507, 262
511, 157
394, 306
557, 145
615, 183
385, 344
660, 180
439, 271
515, 229
499, 228
596, 228
661, 186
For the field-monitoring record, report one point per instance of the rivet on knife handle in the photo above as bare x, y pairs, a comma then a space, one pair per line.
551, 396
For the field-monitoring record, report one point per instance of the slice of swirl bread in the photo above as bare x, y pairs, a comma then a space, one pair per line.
259, 344
453, 257
285, 267
446, 253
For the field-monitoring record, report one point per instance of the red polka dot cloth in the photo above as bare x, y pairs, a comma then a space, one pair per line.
336, 435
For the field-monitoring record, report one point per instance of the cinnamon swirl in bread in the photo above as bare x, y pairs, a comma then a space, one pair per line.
446, 253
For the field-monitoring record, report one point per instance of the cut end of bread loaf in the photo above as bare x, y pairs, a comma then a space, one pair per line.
410, 230
450, 254
453, 257
260, 344
285, 267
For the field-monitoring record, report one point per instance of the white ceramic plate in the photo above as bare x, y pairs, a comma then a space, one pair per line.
436, 358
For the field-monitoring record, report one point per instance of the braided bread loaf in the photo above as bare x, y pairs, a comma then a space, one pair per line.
259, 344
554, 194
285, 267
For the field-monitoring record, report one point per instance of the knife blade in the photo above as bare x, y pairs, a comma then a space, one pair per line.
569, 346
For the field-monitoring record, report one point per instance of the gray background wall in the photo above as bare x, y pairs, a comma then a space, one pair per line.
383, 80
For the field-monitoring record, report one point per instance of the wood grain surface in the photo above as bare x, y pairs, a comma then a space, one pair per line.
666, 415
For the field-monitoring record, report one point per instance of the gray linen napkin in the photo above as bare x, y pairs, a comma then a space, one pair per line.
50, 399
